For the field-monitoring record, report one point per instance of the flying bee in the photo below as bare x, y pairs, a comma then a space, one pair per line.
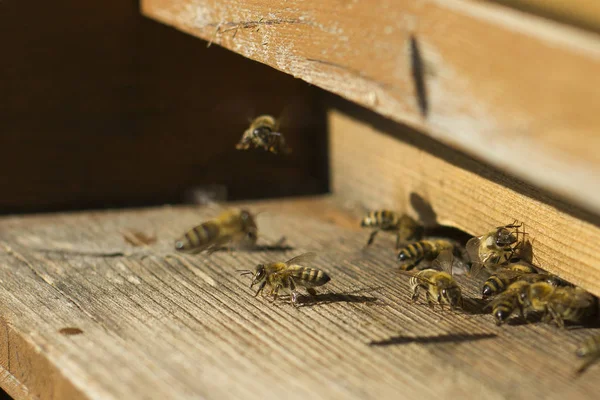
439, 284
411, 255
263, 133
505, 303
288, 275
558, 304
403, 226
230, 226
495, 248
589, 350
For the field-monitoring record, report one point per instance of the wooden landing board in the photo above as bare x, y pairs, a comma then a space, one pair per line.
162, 327
513, 89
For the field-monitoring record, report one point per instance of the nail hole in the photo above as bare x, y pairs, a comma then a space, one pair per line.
70, 331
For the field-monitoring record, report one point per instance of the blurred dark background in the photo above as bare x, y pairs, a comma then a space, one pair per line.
101, 107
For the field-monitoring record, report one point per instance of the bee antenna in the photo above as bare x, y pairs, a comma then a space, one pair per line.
244, 271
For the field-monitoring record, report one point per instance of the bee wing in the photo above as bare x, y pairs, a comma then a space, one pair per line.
473, 249
444, 261
414, 275
302, 259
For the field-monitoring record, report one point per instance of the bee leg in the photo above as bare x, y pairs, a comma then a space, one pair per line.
372, 237
294, 294
260, 288
415, 295
554, 316
429, 300
398, 240
275, 294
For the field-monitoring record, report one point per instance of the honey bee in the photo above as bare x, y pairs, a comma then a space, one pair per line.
439, 284
411, 255
589, 351
499, 281
495, 248
263, 133
288, 275
404, 226
505, 303
558, 304
230, 226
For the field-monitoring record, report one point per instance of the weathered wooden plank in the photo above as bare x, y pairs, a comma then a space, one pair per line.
378, 164
507, 87
180, 327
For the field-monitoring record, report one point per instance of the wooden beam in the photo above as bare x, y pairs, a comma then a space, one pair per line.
189, 327
584, 13
509, 88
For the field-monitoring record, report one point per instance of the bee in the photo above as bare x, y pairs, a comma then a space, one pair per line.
439, 284
558, 304
288, 275
589, 350
411, 255
263, 133
495, 248
404, 226
505, 303
230, 226
499, 281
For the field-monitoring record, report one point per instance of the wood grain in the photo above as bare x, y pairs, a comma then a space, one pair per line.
509, 88
377, 164
186, 327
584, 13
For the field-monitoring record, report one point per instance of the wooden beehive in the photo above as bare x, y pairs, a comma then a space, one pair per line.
487, 113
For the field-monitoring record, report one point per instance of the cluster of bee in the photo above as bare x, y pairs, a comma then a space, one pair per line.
513, 283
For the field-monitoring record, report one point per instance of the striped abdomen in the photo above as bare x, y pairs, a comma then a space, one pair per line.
504, 307
199, 238
422, 250
383, 219
309, 277
496, 284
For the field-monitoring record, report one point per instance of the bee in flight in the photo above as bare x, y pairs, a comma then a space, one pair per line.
589, 350
495, 248
439, 284
288, 275
558, 304
236, 226
428, 250
403, 226
263, 133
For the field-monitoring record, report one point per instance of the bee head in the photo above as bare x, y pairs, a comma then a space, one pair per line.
504, 237
259, 274
453, 296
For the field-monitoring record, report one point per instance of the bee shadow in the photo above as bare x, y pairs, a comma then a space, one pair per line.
475, 306
328, 298
451, 338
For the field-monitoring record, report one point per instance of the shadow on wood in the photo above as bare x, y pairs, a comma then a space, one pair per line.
451, 338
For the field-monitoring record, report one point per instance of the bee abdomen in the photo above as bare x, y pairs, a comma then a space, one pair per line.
493, 286
415, 250
198, 237
383, 219
313, 276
